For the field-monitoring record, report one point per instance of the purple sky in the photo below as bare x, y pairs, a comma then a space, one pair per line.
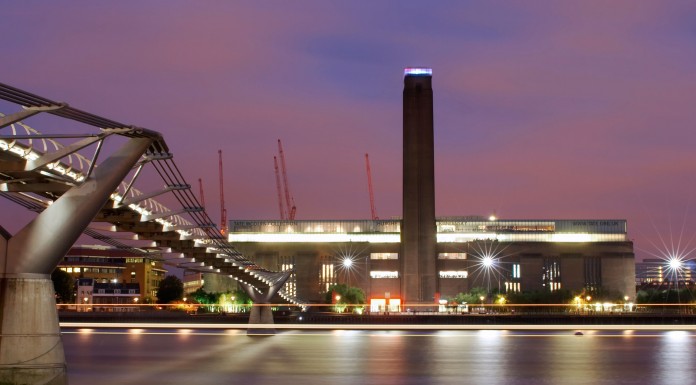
543, 109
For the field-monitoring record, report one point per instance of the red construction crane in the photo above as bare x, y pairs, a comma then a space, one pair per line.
281, 208
289, 200
200, 185
373, 209
223, 210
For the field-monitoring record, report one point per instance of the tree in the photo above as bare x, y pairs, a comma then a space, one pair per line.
349, 295
241, 297
170, 289
472, 297
342, 296
203, 297
63, 285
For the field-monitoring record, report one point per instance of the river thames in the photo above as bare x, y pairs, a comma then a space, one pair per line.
218, 356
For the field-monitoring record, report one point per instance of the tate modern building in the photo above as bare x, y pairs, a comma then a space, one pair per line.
421, 259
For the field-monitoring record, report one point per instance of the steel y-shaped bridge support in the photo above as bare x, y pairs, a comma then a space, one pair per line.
261, 312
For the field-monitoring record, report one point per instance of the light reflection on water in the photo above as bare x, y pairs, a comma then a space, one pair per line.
378, 357
675, 362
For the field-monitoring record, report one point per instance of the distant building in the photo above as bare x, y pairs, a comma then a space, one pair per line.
98, 296
193, 280
147, 272
101, 263
499, 255
662, 272
111, 265
420, 259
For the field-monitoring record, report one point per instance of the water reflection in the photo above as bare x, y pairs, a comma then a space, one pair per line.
188, 356
675, 354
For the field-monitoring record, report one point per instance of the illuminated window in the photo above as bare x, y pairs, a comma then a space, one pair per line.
326, 274
454, 274
593, 273
291, 284
379, 274
378, 305
384, 255
551, 273
451, 256
512, 287
515, 270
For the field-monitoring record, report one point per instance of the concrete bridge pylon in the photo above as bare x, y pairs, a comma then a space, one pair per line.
31, 349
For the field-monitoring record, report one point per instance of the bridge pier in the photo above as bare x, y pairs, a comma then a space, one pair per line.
31, 349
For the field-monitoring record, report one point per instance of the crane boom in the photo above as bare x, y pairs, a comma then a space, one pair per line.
223, 210
281, 207
200, 185
373, 209
289, 200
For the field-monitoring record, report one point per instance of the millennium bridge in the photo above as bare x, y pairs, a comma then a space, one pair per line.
112, 181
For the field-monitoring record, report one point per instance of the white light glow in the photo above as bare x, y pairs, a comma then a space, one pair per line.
454, 274
308, 238
377, 274
571, 237
487, 261
675, 263
418, 71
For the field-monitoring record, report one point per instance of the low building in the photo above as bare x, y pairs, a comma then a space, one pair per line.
193, 280
101, 263
106, 264
100, 296
665, 272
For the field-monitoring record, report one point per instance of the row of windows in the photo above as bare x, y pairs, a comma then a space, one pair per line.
451, 256
117, 291
90, 270
288, 263
551, 274
453, 237
454, 274
461, 225
112, 260
326, 274
384, 255
396, 256
379, 274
